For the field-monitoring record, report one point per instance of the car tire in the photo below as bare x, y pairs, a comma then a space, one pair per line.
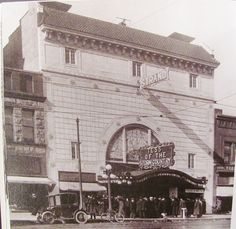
81, 217
48, 217
119, 218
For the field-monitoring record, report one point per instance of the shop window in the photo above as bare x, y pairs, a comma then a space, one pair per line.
9, 123
137, 68
74, 150
191, 157
229, 152
28, 125
193, 81
26, 83
69, 56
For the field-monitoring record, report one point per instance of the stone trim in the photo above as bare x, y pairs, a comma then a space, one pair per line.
21, 95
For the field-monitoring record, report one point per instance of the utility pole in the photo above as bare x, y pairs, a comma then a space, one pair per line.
79, 163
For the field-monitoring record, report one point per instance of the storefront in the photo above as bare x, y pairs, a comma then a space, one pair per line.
225, 151
25, 192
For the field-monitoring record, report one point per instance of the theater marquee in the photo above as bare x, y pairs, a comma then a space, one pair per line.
154, 157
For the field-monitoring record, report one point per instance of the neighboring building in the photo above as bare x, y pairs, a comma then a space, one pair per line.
225, 151
104, 74
25, 136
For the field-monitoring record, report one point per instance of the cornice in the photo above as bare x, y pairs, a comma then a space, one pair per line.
135, 53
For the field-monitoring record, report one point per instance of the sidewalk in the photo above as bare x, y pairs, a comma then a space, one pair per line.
28, 217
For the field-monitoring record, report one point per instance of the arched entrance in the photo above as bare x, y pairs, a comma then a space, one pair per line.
123, 154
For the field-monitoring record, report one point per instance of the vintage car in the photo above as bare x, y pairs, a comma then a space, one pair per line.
63, 207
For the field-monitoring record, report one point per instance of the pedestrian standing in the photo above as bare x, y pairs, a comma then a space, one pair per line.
34, 203
144, 207
120, 205
163, 206
127, 208
174, 207
92, 207
203, 206
132, 208
182, 205
158, 207
139, 207
197, 208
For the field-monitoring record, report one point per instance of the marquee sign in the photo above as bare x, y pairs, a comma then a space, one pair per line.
161, 75
192, 190
160, 156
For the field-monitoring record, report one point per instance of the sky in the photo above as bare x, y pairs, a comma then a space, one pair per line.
211, 22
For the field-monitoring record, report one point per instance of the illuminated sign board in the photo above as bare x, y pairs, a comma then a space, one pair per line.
161, 75
160, 156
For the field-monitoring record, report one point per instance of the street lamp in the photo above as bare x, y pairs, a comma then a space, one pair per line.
108, 172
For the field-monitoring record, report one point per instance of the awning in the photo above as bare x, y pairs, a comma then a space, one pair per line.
87, 187
224, 191
29, 180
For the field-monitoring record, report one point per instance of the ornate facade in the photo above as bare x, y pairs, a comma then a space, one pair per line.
92, 71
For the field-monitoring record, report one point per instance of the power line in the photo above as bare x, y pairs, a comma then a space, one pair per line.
234, 107
226, 97
154, 12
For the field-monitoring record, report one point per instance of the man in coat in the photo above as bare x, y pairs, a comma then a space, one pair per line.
197, 210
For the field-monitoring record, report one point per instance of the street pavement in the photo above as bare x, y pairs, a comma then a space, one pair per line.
153, 224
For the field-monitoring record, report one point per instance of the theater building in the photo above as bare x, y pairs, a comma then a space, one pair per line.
145, 103
225, 150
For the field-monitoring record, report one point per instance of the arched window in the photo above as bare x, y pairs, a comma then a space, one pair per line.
126, 142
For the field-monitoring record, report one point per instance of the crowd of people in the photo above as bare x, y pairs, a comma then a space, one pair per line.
146, 207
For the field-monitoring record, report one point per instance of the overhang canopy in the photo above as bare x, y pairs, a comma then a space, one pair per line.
143, 175
224, 191
29, 180
87, 187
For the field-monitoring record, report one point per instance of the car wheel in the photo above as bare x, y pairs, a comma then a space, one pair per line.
119, 218
81, 217
48, 217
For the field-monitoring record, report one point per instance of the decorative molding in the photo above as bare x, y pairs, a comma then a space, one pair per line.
135, 53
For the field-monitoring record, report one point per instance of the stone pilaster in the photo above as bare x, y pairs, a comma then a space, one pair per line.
39, 127
17, 124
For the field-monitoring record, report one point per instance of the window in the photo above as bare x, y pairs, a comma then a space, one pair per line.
191, 160
229, 152
26, 84
28, 125
125, 144
193, 81
136, 68
9, 123
74, 150
7, 80
69, 56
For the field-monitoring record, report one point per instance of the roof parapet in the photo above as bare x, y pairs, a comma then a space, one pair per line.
181, 37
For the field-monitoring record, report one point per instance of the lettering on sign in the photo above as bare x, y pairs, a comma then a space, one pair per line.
194, 190
147, 81
226, 168
160, 156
